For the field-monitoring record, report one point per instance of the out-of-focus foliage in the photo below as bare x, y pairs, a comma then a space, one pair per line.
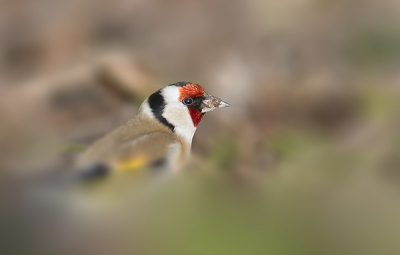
306, 161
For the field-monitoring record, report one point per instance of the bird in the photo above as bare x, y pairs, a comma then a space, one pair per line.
158, 137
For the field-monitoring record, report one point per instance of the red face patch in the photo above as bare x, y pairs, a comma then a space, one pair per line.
196, 115
190, 90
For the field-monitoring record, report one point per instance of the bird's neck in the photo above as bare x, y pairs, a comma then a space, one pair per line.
177, 120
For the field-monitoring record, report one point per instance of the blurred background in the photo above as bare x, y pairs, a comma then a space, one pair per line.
306, 161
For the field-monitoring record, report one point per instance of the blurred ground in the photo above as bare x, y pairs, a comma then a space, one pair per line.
306, 161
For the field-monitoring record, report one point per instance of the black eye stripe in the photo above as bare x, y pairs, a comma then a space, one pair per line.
188, 101
196, 103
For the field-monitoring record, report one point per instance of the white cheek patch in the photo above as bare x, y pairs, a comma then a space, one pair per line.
178, 114
171, 94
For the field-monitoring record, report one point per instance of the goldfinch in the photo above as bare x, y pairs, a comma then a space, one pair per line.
158, 137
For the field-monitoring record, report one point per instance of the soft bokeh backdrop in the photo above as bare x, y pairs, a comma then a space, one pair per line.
306, 161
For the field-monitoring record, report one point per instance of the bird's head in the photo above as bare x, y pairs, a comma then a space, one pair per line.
181, 106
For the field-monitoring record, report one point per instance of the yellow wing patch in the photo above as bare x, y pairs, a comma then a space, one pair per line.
132, 164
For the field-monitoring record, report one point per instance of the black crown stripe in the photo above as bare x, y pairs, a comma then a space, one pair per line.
180, 84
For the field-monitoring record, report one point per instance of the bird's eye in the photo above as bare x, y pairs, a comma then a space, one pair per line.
188, 101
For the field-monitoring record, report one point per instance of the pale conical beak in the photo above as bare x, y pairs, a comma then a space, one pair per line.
211, 103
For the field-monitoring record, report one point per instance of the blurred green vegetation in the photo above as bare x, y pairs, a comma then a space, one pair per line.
374, 46
225, 154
